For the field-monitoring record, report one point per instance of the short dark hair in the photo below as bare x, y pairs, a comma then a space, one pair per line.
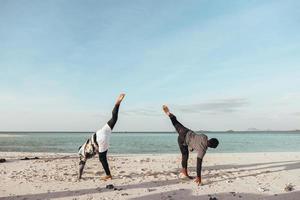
213, 143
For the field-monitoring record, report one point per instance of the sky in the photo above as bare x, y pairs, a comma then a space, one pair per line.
218, 65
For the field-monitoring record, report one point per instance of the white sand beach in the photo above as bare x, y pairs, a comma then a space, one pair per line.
226, 176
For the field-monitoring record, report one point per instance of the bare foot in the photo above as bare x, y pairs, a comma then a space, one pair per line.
185, 174
198, 181
105, 178
120, 98
166, 110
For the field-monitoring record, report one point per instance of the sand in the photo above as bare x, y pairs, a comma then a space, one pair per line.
225, 176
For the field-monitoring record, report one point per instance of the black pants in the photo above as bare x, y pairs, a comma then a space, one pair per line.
182, 131
111, 123
103, 160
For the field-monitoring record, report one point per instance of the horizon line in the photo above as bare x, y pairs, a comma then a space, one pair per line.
223, 131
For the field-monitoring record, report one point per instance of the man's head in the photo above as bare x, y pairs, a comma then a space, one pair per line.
213, 143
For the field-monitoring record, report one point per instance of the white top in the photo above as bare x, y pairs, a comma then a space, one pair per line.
103, 136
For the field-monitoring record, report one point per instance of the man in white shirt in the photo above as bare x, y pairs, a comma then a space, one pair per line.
99, 143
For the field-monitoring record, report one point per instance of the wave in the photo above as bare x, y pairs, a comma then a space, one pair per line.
10, 135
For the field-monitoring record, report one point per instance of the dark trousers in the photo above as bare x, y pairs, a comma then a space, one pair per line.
182, 131
111, 123
103, 160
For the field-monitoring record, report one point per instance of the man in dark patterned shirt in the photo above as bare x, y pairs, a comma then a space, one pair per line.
189, 140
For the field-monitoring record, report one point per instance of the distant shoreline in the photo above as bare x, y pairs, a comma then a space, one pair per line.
153, 132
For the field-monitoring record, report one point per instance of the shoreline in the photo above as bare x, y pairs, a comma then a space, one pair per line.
12, 154
242, 176
158, 132
150, 154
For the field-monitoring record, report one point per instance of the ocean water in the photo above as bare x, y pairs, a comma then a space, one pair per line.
150, 143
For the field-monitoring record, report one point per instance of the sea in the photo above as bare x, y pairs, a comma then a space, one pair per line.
150, 143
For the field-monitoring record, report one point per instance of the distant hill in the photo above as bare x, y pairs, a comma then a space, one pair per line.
253, 129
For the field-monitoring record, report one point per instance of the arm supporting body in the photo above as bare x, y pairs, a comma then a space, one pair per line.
199, 167
81, 167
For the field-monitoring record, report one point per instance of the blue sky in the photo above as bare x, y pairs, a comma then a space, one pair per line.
219, 65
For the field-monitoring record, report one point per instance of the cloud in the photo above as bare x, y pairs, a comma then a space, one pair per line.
210, 107
296, 113
214, 106
290, 97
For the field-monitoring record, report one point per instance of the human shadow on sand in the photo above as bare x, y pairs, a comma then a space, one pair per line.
74, 193
187, 194
255, 168
169, 195
287, 165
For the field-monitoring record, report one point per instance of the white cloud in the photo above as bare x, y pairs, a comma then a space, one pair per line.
215, 106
